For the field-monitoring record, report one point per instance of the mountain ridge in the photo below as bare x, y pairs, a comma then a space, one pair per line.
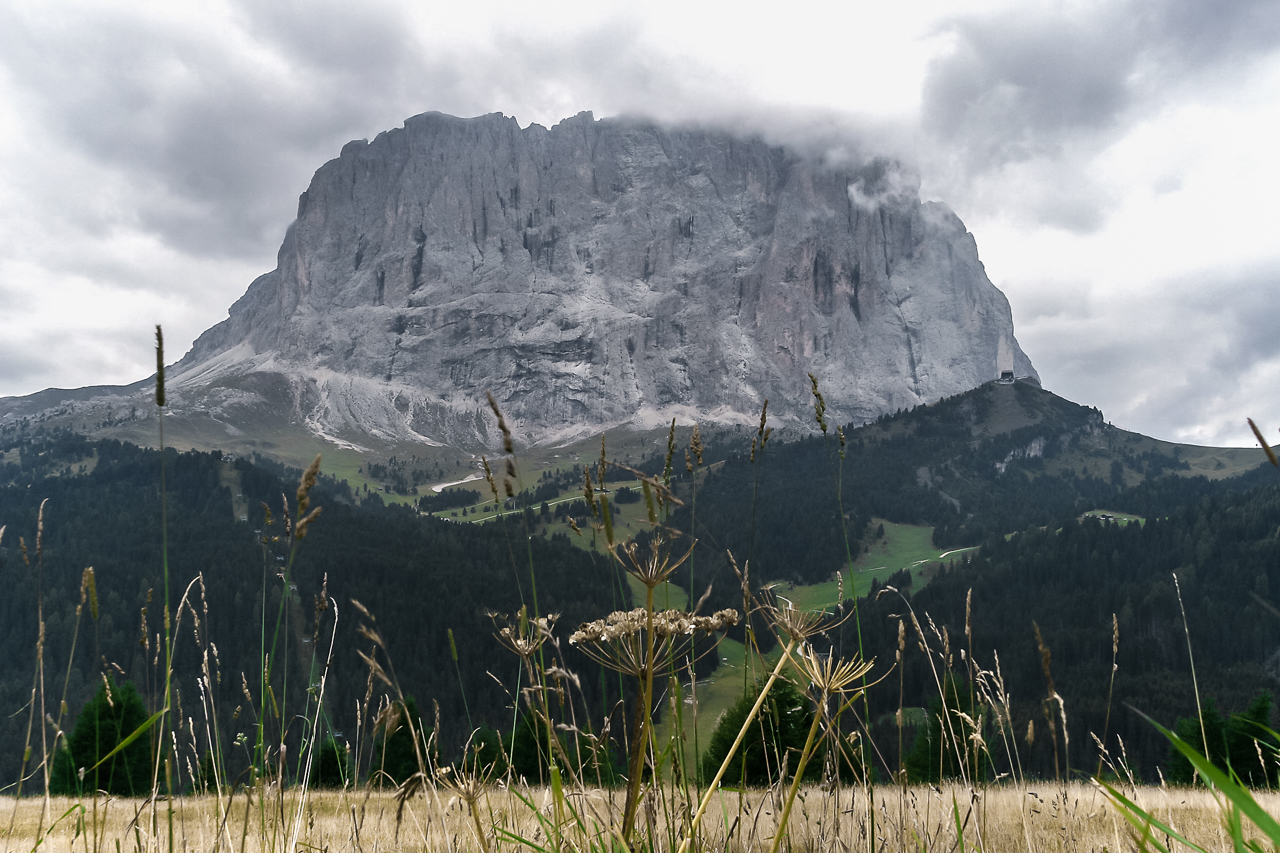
595, 274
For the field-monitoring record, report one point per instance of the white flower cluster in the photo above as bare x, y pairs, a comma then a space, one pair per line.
666, 623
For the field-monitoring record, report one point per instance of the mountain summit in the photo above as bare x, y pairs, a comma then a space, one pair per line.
596, 274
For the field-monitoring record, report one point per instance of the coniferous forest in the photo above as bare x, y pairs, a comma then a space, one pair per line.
437, 591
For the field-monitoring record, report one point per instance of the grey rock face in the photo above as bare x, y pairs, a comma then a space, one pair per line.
596, 274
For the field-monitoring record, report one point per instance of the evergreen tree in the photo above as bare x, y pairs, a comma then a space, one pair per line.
1251, 745
1234, 743
776, 735
1214, 734
486, 755
114, 713
396, 756
329, 765
939, 750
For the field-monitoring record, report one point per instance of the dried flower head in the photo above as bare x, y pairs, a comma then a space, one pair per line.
655, 567
799, 625
828, 675
527, 635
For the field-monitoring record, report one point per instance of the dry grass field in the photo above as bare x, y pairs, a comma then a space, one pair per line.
1001, 818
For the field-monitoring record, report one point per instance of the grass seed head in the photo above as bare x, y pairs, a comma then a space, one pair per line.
1266, 448
308, 482
507, 445
589, 492
40, 530
90, 588
159, 366
488, 476
819, 404
671, 452
305, 522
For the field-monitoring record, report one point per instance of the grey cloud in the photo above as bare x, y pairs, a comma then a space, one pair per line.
1197, 34
215, 134
1015, 85
1248, 307
19, 367
1177, 362
212, 135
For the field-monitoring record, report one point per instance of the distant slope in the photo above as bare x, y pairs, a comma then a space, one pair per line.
994, 460
420, 577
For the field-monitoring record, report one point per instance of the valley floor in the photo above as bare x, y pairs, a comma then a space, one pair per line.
1038, 817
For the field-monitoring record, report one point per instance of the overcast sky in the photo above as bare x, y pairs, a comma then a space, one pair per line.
1118, 163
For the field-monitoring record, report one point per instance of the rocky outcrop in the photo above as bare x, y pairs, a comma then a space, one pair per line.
596, 274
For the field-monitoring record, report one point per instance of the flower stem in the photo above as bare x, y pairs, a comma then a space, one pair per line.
746, 724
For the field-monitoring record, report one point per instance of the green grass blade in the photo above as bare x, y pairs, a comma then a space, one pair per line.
955, 813
141, 730
1142, 820
1238, 794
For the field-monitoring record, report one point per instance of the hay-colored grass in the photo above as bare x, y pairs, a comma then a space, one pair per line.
1002, 818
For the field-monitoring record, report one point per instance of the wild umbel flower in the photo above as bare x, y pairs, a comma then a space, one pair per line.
618, 641
655, 567
827, 674
800, 625
527, 635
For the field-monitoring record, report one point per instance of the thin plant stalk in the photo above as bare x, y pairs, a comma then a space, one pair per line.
1195, 684
805, 755
714, 785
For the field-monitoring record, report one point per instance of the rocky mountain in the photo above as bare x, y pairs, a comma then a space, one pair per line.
596, 274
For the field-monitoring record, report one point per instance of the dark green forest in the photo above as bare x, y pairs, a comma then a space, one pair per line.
792, 511
1069, 580
418, 577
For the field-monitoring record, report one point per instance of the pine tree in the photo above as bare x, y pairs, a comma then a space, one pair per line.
116, 712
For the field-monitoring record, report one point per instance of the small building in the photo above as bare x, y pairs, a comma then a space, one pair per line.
1006, 377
